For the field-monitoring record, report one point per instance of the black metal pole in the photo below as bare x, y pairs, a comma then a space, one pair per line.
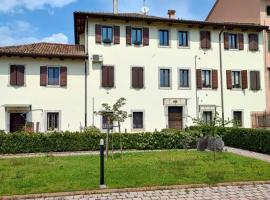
102, 178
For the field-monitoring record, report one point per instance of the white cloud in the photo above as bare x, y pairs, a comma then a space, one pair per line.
13, 6
21, 32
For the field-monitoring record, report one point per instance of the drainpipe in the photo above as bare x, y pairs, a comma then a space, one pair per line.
221, 76
85, 75
197, 104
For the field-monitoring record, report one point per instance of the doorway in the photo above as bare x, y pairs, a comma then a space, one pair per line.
175, 117
17, 121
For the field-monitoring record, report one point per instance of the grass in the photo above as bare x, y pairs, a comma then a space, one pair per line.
61, 174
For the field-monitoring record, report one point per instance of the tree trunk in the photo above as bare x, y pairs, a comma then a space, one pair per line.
112, 146
120, 134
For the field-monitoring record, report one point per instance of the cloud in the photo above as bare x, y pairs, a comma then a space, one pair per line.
22, 32
14, 6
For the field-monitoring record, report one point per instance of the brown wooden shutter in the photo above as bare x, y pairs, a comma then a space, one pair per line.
253, 42
13, 75
107, 76
226, 40
229, 79
98, 33
244, 79
116, 31
203, 39
43, 76
214, 79
255, 81
199, 78
63, 76
146, 36
241, 41
208, 39
137, 77
20, 75
128, 35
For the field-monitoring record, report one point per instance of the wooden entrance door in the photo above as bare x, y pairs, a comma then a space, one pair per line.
17, 121
175, 117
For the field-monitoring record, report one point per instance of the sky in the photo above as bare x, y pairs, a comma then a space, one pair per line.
30, 21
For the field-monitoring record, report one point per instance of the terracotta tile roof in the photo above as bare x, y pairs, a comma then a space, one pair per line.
80, 17
50, 50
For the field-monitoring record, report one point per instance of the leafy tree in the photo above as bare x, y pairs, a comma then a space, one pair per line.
211, 128
113, 114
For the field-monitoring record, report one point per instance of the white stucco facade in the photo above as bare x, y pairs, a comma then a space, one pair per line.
67, 101
151, 98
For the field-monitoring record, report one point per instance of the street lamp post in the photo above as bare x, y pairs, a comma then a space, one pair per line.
102, 177
197, 100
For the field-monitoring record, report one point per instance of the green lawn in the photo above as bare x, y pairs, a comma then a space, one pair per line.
60, 174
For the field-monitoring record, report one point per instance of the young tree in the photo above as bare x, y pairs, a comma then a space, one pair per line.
212, 127
114, 114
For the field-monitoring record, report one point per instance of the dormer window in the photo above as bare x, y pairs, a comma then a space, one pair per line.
136, 36
107, 34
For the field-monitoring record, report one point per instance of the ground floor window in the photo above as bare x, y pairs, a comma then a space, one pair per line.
53, 121
137, 120
106, 123
207, 116
238, 118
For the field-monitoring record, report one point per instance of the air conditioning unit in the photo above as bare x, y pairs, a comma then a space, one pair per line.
97, 58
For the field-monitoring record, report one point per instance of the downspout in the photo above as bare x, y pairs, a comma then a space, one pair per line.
197, 104
85, 74
221, 76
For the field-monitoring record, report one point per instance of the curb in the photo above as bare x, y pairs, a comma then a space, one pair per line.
140, 189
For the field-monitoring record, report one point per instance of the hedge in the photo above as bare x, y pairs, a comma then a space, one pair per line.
257, 140
89, 141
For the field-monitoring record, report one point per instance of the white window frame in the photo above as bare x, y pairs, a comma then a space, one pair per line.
50, 66
161, 87
59, 120
179, 78
209, 80
240, 79
138, 129
239, 110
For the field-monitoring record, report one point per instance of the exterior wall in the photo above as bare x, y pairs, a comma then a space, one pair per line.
150, 99
244, 11
68, 101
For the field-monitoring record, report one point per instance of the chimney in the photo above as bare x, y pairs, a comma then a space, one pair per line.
171, 14
115, 6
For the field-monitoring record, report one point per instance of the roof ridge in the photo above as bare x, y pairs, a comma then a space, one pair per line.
39, 43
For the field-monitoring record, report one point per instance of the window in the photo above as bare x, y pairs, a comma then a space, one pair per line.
255, 80
233, 41
164, 78
268, 10
164, 38
237, 118
236, 79
53, 121
137, 120
207, 116
53, 75
136, 36
206, 78
137, 77
17, 75
183, 38
106, 123
184, 78
107, 34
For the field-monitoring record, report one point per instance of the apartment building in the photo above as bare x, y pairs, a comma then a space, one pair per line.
169, 70
247, 11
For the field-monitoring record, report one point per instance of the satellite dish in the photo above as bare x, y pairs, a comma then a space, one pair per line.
145, 10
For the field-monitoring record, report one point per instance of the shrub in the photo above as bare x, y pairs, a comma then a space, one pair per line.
89, 141
250, 139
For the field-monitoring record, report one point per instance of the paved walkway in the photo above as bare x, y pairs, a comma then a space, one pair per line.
248, 192
249, 154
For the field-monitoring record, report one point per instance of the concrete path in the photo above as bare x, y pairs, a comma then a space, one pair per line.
247, 192
249, 154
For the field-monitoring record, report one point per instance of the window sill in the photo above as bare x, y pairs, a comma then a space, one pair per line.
165, 88
53, 86
184, 47
137, 129
184, 88
161, 46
